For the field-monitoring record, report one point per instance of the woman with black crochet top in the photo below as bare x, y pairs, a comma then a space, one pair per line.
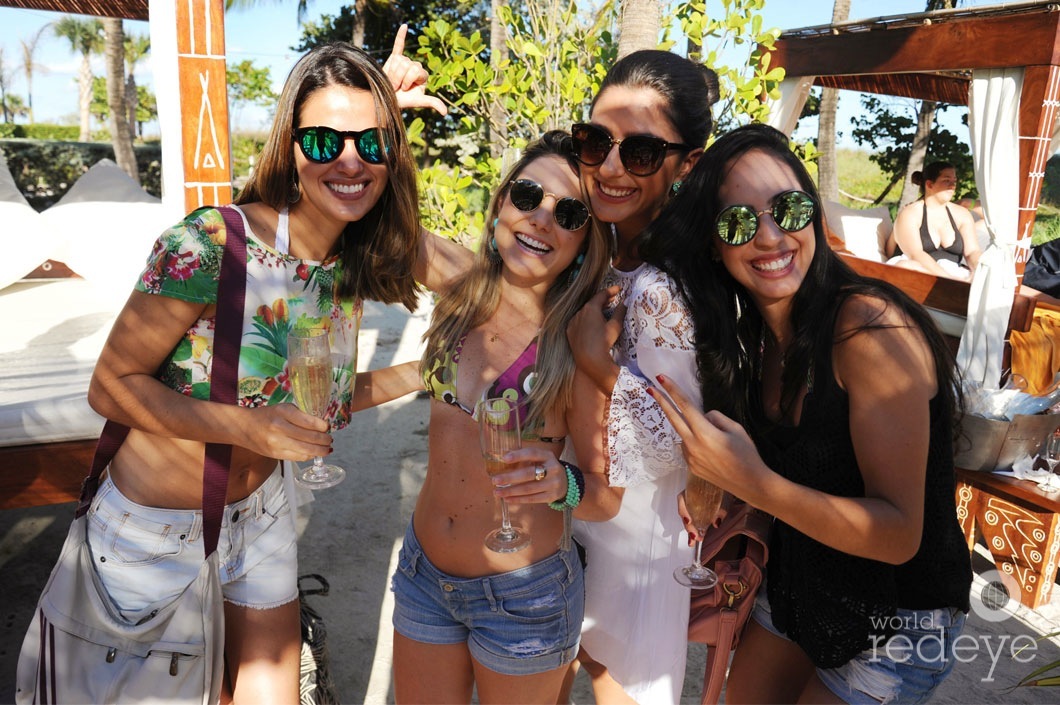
799, 359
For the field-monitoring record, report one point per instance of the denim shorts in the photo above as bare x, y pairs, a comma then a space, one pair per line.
517, 623
146, 556
905, 668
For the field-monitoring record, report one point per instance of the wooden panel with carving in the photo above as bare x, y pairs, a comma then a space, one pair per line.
204, 103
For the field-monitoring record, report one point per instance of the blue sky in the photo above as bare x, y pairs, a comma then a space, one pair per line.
265, 33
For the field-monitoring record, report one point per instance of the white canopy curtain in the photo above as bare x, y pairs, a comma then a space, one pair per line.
784, 112
993, 119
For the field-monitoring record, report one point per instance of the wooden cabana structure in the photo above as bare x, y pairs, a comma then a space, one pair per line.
188, 66
1004, 63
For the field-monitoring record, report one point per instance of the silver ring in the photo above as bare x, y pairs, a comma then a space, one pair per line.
540, 472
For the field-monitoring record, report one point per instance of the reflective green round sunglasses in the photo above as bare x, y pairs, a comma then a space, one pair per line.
322, 144
791, 211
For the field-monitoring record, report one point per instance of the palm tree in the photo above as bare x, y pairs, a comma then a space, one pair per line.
924, 125
29, 48
120, 134
5, 82
827, 173
137, 46
85, 37
639, 25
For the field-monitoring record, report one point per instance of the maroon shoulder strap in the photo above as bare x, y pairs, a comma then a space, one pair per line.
231, 295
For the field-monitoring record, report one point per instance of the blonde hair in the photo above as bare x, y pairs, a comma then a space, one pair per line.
378, 252
475, 298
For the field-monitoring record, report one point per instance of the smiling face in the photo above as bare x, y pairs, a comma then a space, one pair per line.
346, 189
534, 247
628, 201
773, 265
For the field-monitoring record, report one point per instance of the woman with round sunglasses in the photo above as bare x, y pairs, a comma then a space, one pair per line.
331, 220
505, 624
832, 400
647, 127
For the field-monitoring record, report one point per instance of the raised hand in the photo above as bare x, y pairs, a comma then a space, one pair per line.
592, 332
409, 78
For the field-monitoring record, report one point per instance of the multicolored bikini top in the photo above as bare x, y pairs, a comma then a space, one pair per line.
514, 383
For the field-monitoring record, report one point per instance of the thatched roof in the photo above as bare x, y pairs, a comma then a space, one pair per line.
126, 9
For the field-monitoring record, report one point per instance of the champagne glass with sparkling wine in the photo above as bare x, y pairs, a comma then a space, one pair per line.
702, 499
500, 432
310, 369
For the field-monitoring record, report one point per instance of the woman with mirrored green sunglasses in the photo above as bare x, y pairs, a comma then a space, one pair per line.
327, 227
830, 401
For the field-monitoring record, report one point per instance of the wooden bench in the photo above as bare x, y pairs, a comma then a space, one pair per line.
43, 473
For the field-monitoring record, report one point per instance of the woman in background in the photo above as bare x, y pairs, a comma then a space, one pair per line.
933, 234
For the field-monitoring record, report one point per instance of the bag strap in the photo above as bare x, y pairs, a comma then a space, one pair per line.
744, 521
231, 296
718, 657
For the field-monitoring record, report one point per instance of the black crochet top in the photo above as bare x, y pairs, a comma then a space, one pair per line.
832, 603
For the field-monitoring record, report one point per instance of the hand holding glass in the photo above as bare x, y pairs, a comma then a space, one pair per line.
702, 499
310, 370
500, 432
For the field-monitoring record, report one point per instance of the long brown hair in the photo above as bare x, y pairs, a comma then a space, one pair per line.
379, 250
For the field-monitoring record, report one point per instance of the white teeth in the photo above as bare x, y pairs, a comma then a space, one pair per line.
532, 243
613, 192
775, 265
347, 188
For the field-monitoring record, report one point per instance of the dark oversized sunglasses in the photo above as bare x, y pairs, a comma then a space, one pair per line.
324, 144
570, 213
641, 155
791, 211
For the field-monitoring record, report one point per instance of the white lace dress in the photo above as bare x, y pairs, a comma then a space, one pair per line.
636, 614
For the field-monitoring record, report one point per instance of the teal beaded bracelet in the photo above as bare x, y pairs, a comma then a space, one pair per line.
575, 485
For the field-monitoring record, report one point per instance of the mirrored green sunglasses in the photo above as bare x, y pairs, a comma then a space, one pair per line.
791, 211
322, 144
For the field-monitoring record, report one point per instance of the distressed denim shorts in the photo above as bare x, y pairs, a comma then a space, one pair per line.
906, 668
518, 623
146, 556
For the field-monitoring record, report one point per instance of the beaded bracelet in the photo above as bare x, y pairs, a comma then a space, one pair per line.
575, 488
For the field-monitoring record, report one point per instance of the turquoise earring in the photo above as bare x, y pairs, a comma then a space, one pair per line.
676, 187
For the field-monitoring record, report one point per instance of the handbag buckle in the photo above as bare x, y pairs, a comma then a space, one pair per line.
734, 591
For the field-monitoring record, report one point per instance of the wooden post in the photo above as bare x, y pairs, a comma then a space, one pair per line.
1037, 117
188, 46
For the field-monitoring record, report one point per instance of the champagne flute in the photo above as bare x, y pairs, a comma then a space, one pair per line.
500, 432
1052, 449
309, 366
702, 499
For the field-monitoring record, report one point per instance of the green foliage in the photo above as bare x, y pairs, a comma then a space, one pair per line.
249, 85
889, 136
556, 58
45, 170
246, 146
736, 31
557, 55
99, 107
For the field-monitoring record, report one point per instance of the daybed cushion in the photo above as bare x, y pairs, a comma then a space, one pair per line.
26, 245
107, 225
864, 231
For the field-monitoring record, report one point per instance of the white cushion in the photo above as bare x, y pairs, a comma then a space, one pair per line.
25, 245
106, 224
864, 231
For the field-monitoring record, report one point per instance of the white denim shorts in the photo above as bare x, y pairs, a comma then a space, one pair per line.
146, 556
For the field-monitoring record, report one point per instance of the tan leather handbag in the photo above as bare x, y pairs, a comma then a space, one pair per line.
717, 616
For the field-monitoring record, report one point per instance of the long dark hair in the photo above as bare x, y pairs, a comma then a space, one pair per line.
689, 89
728, 326
378, 251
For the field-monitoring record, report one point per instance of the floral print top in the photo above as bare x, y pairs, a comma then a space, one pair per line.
282, 293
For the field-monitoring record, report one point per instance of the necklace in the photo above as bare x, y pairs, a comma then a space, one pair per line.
493, 337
